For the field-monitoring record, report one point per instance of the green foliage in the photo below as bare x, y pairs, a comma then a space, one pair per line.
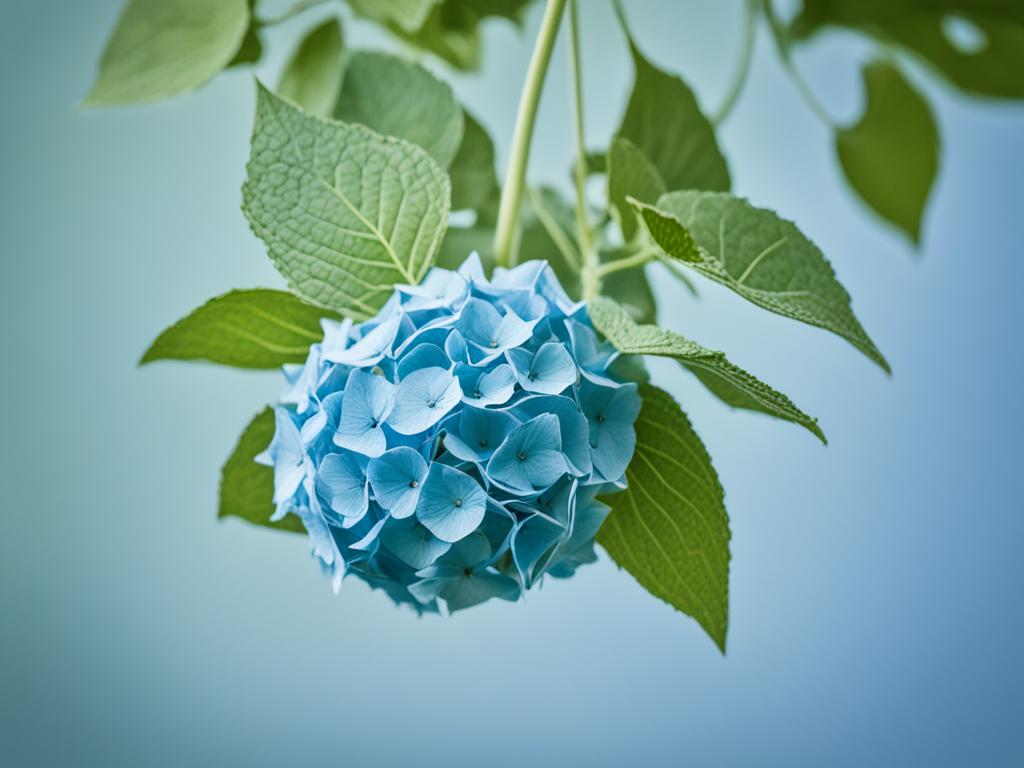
760, 256
247, 488
630, 174
631, 339
666, 124
257, 328
992, 67
891, 156
345, 212
161, 48
408, 15
312, 76
398, 98
474, 181
669, 528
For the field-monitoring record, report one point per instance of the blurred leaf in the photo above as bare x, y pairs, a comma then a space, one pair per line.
258, 328
630, 174
474, 181
247, 488
760, 256
398, 98
345, 212
408, 15
632, 339
312, 76
459, 242
990, 65
161, 48
669, 527
665, 123
629, 287
891, 156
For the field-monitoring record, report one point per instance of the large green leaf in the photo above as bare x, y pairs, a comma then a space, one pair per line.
312, 76
247, 488
630, 174
760, 256
669, 528
664, 121
161, 48
631, 339
345, 212
474, 181
258, 328
891, 155
398, 98
989, 65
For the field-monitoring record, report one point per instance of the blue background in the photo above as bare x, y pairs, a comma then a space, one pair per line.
876, 616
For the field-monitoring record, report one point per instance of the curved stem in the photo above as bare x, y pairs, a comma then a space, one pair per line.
779, 35
739, 76
512, 192
582, 222
638, 259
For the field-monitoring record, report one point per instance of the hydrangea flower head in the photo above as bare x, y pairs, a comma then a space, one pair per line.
451, 449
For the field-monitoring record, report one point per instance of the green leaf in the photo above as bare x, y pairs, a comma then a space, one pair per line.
669, 528
629, 287
891, 156
631, 339
630, 174
459, 242
408, 15
450, 31
664, 121
247, 488
398, 98
312, 76
161, 48
474, 181
345, 212
990, 64
762, 257
258, 328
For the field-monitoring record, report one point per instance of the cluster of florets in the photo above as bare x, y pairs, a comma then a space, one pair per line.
453, 446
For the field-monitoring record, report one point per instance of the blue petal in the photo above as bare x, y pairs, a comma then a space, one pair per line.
575, 430
530, 458
550, 371
589, 353
533, 544
367, 403
441, 288
370, 348
397, 478
410, 541
422, 399
478, 587
287, 456
477, 432
452, 504
610, 413
422, 356
490, 332
341, 483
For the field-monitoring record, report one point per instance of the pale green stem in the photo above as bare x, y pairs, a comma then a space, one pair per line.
739, 76
512, 192
779, 35
636, 260
589, 274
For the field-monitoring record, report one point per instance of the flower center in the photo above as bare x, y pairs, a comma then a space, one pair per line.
522, 455
413, 483
432, 404
483, 442
458, 502
373, 423
494, 344
600, 418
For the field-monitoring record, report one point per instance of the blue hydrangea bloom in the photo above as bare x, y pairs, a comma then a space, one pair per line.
452, 449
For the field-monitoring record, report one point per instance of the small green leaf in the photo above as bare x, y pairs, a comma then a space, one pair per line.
409, 15
630, 174
669, 528
891, 155
161, 48
257, 328
312, 76
474, 181
398, 98
984, 56
247, 488
762, 257
664, 121
631, 339
345, 212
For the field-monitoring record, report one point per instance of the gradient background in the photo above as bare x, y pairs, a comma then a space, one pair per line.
876, 615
